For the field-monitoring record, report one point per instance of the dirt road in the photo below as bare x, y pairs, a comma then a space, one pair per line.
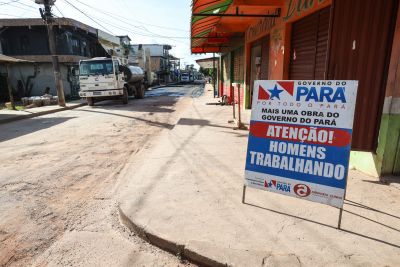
60, 175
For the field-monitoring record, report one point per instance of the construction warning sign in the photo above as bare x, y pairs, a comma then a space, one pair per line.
300, 138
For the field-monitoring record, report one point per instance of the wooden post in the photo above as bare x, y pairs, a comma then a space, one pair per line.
233, 100
10, 93
239, 112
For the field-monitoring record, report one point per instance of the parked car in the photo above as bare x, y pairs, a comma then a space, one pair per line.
185, 77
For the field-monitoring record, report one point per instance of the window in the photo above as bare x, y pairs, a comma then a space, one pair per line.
98, 67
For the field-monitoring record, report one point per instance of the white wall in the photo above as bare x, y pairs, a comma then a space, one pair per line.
44, 78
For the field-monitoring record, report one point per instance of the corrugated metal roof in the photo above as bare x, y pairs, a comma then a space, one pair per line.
7, 59
39, 22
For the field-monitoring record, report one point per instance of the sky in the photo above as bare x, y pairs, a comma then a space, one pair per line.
145, 21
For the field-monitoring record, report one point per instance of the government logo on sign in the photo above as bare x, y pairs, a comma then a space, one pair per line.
274, 93
302, 190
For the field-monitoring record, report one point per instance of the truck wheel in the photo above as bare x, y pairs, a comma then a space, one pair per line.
130, 91
140, 92
125, 96
90, 101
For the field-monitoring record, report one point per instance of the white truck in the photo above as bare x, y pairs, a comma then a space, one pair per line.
107, 78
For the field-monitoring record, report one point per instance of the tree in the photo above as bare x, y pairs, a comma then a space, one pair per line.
206, 72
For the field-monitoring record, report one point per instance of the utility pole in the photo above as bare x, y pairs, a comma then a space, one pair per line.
48, 18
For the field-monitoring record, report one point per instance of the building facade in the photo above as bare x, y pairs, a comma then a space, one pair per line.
160, 59
317, 40
27, 39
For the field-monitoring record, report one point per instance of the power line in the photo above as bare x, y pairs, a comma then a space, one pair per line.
129, 30
129, 19
135, 32
20, 7
7, 3
118, 17
89, 17
26, 5
4, 14
59, 10
102, 20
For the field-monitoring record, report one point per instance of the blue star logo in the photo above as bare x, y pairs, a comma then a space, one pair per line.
270, 184
275, 93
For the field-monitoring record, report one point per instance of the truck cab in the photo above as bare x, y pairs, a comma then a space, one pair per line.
101, 78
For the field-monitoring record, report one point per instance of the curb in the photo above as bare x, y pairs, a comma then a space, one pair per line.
33, 115
168, 245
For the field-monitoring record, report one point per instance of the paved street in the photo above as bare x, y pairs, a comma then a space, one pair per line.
59, 180
220, 133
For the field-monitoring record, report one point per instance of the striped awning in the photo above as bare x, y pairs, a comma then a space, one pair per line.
216, 24
202, 26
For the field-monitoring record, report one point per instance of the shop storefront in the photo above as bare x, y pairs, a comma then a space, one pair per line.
328, 40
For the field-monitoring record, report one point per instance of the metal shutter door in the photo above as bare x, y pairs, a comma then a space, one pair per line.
322, 44
303, 50
238, 65
362, 36
309, 45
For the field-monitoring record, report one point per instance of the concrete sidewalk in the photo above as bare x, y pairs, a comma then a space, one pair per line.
7, 116
184, 195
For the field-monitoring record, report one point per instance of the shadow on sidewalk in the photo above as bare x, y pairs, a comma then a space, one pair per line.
333, 227
358, 205
385, 181
19, 128
202, 123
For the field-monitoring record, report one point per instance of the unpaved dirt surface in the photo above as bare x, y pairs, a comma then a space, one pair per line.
60, 176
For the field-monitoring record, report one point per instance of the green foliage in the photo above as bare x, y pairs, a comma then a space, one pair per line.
19, 108
206, 72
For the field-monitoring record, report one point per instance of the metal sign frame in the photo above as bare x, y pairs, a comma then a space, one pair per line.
317, 186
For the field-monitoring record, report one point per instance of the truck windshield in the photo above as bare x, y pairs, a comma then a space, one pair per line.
97, 67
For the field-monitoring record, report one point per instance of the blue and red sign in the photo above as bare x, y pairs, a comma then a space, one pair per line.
300, 138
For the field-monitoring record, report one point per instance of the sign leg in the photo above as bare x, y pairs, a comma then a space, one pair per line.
344, 197
340, 218
244, 194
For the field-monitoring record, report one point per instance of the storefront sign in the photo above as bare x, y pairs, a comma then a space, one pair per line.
262, 27
300, 138
296, 8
